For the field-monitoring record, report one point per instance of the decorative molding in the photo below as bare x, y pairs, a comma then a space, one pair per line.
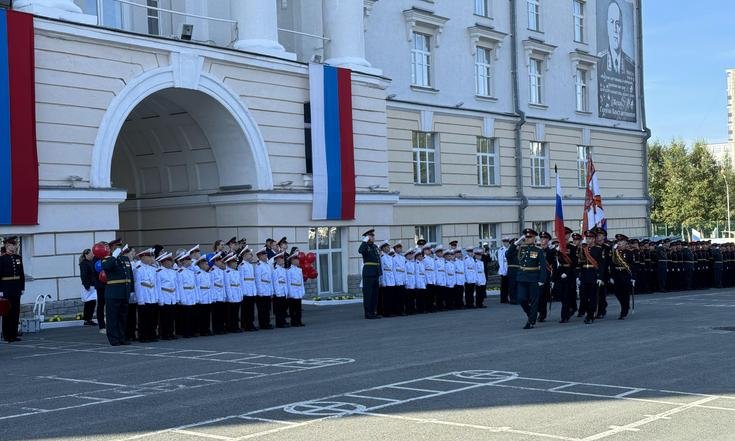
418, 19
50, 195
367, 9
187, 68
586, 136
583, 60
486, 37
426, 122
488, 127
538, 49
540, 132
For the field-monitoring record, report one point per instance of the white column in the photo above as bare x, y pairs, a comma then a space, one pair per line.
257, 27
60, 9
344, 25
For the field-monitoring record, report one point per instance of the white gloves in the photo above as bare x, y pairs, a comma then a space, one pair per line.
564, 276
116, 252
365, 239
578, 283
541, 284
552, 285
600, 282
632, 282
520, 240
612, 281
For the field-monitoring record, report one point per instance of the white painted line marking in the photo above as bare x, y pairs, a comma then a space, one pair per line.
429, 391
563, 386
632, 391
267, 420
203, 435
74, 380
372, 398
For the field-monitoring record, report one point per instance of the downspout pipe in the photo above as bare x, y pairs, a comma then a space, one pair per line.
521, 117
642, 103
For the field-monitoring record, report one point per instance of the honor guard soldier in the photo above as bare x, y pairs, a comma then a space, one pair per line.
564, 281
399, 268
249, 291
662, 265
233, 293
471, 297
512, 259
503, 271
480, 279
622, 274
591, 275
430, 271
147, 296
531, 274
409, 305
167, 296
545, 290
387, 280
604, 262
371, 273
296, 290
12, 285
441, 278
204, 282
688, 261
420, 282
280, 290
188, 296
219, 308
264, 288
717, 263
120, 283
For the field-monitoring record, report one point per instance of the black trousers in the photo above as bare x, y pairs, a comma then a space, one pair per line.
513, 285
431, 298
233, 316
279, 310
204, 311
101, 306
186, 322
602, 300
370, 295
568, 293
219, 315
88, 314
399, 300
10, 321
147, 321
544, 300
294, 311
480, 295
527, 296
504, 295
588, 298
116, 311
247, 314
132, 321
409, 305
662, 274
264, 312
470, 299
166, 321
622, 293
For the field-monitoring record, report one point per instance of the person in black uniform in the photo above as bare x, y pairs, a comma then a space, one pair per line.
512, 258
119, 273
622, 274
531, 274
12, 285
573, 253
590, 276
606, 253
689, 259
662, 264
717, 263
545, 298
370, 274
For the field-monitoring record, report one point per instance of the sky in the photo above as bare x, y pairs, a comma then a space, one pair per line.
687, 47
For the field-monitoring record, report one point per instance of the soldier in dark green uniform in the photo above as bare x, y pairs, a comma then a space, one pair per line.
531, 274
12, 285
370, 274
119, 272
512, 259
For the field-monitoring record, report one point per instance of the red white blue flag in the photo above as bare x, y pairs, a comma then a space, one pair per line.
18, 157
332, 146
559, 229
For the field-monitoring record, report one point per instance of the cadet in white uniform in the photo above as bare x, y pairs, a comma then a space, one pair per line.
280, 290
460, 278
167, 298
441, 278
233, 293
187, 286
399, 268
204, 284
219, 308
147, 297
247, 275
451, 279
295, 290
470, 275
420, 282
387, 281
410, 300
481, 283
264, 289
431, 289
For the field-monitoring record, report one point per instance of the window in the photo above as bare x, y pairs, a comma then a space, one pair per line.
154, 27
534, 14
579, 21
487, 161
421, 60
541, 226
481, 8
535, 81
489, 234
430, 233
483, 72
326, 242
583, 153
424, 158
539, 165
582, 91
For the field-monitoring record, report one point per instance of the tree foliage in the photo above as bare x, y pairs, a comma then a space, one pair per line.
687, 186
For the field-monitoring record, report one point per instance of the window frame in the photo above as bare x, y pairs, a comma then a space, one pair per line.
533, 9
484, 72
583, 152
493, 240
536, 80
578, 18
426, 54
539, 164
153, 14
431, 165
425, 232
482, 8
330, 251
484, 158
582, 90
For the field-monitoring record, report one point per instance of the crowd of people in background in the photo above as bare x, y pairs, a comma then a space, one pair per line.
155, 294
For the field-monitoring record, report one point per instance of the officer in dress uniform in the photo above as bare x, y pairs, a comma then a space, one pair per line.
717, 263
370, 274
564, 282
399, 268
531, 274
120, 283
12, 285
604, 262
622, 274
146, 295
280, 291
550, 268
573, 253
249, 291
662, 264
590, 276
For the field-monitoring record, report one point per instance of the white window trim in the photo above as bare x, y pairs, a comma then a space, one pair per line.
584, 61
435, 150
538, 50
485, 74
483, 36
546, 167
540, 15
582, 163
488, 9
425, 22
585, 85
541, 81
428, 59
496, 161
583, 18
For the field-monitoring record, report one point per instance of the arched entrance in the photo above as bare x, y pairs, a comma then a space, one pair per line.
172, 148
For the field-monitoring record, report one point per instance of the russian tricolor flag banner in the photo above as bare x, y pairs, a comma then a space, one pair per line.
559, 229
18, 157
332, 146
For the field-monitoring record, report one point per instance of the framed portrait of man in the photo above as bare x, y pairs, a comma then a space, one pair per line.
616, 70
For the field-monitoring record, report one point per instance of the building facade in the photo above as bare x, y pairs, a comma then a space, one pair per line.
724, 152
462, 110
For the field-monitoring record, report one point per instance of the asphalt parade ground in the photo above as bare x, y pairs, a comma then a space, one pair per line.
666, 373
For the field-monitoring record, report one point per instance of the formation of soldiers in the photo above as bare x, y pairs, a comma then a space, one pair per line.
424, 279
155, 294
